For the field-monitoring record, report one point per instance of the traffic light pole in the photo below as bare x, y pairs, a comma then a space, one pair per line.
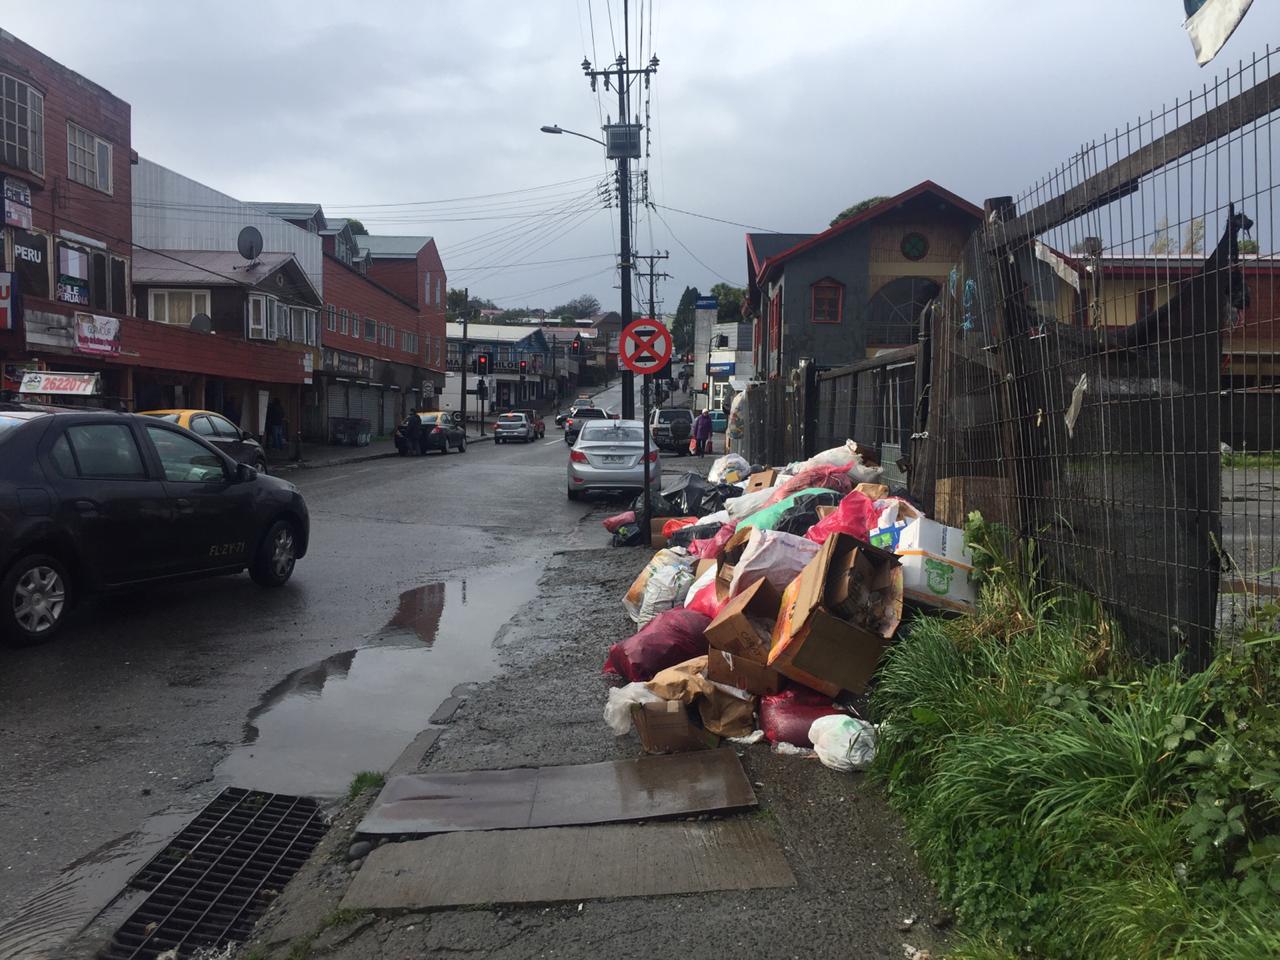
466, 353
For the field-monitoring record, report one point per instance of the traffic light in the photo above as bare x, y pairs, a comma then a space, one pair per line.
524, 367
577, 346
482, 363
704, 387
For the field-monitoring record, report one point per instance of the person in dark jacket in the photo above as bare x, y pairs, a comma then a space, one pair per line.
702, 432
413, 433
275, 424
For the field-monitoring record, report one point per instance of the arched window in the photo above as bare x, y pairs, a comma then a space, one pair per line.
893, 312
827, 301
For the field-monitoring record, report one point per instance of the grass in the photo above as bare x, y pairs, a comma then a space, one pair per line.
1254, 460
1070, 802
365, 780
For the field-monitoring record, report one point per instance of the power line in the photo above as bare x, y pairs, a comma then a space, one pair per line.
534, 263
687, 250
554, 286
703, 216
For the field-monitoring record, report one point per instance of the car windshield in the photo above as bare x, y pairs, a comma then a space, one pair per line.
166, 417
590, 413
427, 417
612, 433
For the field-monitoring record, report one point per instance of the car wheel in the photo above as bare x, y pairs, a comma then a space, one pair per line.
573, 494
260, 464
277, 553
444, 447
36, 594
462, 445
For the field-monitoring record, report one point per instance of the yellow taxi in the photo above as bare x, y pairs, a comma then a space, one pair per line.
213, 427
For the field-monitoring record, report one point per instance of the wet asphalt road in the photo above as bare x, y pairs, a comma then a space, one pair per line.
151, 703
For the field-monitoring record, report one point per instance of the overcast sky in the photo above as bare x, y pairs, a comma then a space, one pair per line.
766, 113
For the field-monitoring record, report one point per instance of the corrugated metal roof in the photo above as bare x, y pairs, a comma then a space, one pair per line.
287, 211
767, 245
212, 268
393, 246
336, 225
502, 332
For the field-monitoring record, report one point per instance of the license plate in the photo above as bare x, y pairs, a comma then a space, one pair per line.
612, 459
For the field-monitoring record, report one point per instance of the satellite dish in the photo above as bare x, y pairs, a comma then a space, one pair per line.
249, 243
201, 323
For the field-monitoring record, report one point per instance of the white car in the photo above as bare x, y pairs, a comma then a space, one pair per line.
607, 456
513, 426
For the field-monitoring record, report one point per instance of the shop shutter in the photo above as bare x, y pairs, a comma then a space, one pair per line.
389, 400
336, 399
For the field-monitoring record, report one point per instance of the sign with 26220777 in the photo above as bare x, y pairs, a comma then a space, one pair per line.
645, 346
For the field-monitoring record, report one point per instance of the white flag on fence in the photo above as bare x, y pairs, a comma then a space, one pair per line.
1211, 23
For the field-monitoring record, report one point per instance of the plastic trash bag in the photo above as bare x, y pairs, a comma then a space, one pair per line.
685, 536
710, 548
619, 520
773, 556
739, 508
781, 516
703, 596
714, 499
844, 456
825, 478
671, 637
685, 495
664, 590
854, 515
628, 535
659, 505
617, 706
635, 595
843, 743
675, 523
787, 716
729, 469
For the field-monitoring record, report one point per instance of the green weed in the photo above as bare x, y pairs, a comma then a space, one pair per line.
1070, 802
1260, 460
365, 780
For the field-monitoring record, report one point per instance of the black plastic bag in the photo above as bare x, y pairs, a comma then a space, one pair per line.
696, 531
803, 512
685, 494
628, 535
713, 500
661, 507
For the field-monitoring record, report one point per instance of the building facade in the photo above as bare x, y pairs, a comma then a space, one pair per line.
520, 368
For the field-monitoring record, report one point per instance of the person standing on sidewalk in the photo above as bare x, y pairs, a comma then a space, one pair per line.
275, 424
702, 432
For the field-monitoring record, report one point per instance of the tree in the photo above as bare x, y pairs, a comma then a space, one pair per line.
1193, 237
568, 321
455, 301
856, 209
1161, 242
1248, 246
730, 297
682, 328
579, 307
357, 228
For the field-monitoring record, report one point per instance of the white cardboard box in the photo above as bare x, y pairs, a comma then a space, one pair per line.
936, 565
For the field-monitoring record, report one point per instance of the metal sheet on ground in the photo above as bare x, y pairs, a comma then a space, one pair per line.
569, 863
641, 789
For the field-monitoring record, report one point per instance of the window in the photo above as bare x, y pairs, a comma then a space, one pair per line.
299, 325
106, 451
331, 318
99, 294
73, 274
88, 159
428, 289
31, 262
21, 125
342, 321
224, 427
281, 326
177, 307
120, 285
439, 290
203, 426
185, 461
391, 336
828, 302
259, 317
60, 454
370, 329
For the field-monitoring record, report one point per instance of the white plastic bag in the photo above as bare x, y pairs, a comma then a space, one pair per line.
729, 469
720, 516
771, 555
843, 743
845, 456
670, 556
707, 577
664, 590
747, 504
617, 708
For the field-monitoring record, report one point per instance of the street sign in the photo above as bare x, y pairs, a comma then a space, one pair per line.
645, 346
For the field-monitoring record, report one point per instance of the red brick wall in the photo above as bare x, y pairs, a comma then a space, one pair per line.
398, 275
57, 202
406, 277
345, 287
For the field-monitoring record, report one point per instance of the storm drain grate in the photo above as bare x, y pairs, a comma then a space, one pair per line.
210, 884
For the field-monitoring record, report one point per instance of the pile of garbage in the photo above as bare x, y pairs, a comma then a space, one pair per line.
766, 610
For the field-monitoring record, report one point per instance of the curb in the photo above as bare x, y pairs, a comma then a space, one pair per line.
292, 465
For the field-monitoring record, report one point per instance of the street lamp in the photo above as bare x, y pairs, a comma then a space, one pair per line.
623, 155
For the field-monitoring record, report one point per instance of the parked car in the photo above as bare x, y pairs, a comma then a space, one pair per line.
539, 425
719, 421
439, 432
514, 426
95, 500
562, 418
607, 456
580, 416
671, 429
239, 445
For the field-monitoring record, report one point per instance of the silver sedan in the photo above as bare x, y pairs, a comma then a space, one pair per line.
607, 456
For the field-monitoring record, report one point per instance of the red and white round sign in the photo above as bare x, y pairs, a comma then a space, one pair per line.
645, 346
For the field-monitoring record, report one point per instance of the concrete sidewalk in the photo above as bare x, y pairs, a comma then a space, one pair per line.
317, 455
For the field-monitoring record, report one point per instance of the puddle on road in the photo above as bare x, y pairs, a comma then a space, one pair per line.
356, 710
41, 926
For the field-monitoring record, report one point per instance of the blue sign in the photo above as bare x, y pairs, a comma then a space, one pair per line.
721, 369
707, 303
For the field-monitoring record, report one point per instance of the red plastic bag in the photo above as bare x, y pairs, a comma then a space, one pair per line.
854, 515
618, 520
711, 547
671, 526
786, 717
671, 637
706, 601
693, 447
828, 478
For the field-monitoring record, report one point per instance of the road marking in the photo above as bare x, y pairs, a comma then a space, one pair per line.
549, 442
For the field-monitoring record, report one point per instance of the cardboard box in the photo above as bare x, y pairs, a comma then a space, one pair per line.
732, 630
743, 673
665, 727
729, 556
656, 539
886, 538
761, 480
825, 510
936, 565
877, 572
873, 491
814, 646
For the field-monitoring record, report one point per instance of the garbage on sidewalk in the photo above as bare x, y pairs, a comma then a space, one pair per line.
777, 594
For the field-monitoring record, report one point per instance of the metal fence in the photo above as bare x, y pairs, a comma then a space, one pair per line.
1102, 368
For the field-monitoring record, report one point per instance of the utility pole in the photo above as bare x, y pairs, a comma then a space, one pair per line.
466, 351
653, 278
622, 143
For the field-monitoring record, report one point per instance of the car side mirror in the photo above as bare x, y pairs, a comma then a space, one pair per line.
245, 473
